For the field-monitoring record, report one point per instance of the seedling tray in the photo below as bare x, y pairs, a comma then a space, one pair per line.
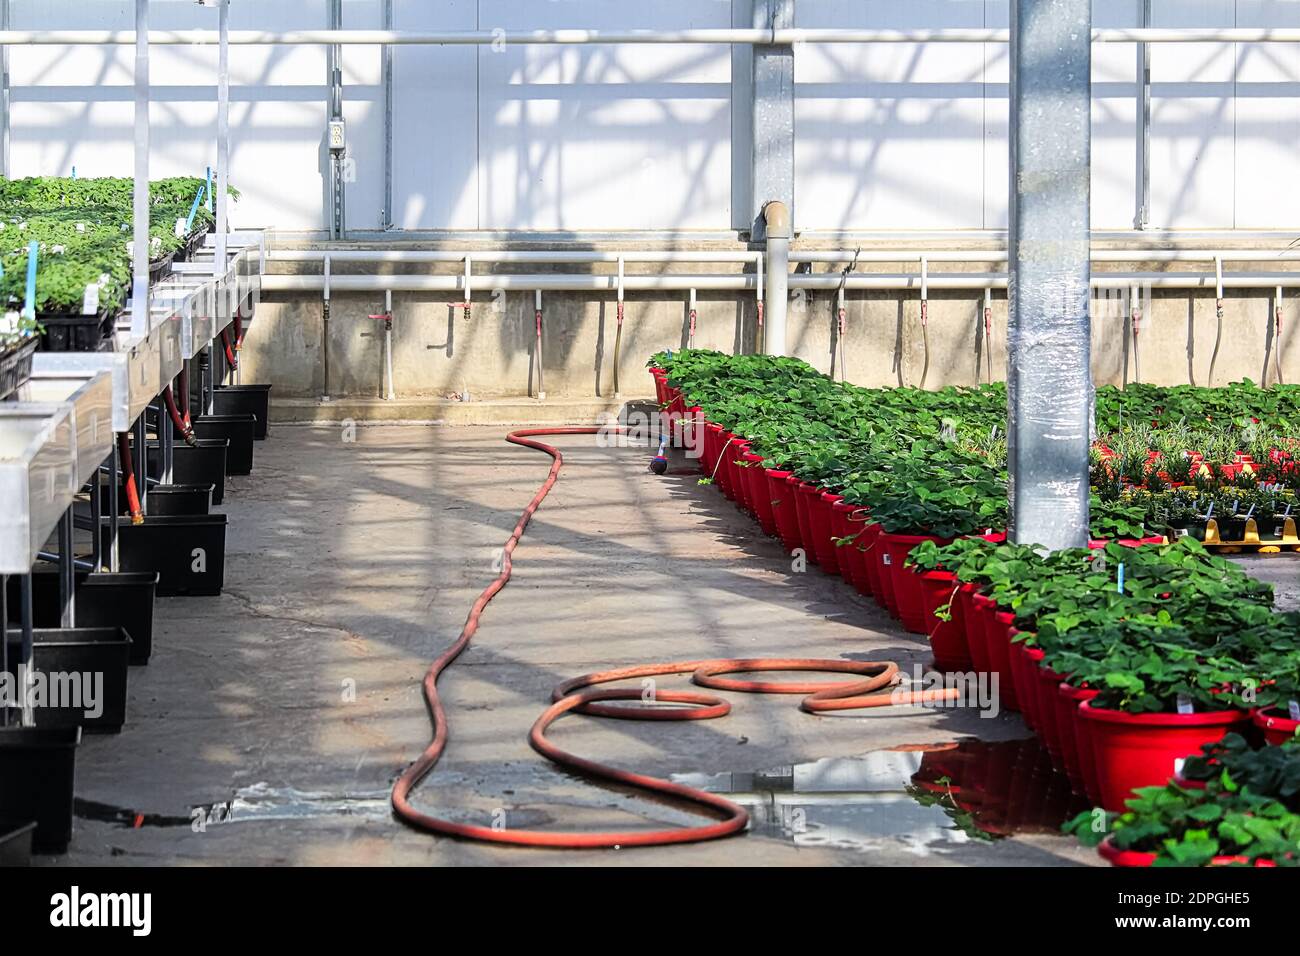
16, 367
78, 333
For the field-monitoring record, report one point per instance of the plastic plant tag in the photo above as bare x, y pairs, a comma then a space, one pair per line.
1185, 704
1293, 708
90, 301
180, 227
884, 557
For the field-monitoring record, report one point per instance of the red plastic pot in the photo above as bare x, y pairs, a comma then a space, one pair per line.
712, 448
759, 496
1022, 670
819, 508
1046, 681
906, 581
722, 475
859, 520
781, 497
947, 638
1076, 744
996, 645
661, 385
973, 625
1142, 750
870, 543
1096, 543
802, 511
1277, 728
739, 484
841, 530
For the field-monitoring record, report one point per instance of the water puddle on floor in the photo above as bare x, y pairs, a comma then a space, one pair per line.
258, 802
925, 800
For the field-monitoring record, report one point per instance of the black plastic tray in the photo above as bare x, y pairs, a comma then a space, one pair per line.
16, 367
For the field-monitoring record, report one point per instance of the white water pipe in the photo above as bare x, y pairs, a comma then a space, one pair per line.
813, 256
740, 282
574, 37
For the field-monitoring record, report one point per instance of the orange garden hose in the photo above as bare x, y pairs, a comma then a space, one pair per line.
128, 474
581, 695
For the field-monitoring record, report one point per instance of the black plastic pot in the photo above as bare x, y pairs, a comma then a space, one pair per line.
103, 599
102, 651
252, 400
16, 843
37, 768
201, 464
239, 430
180, 499
187, 551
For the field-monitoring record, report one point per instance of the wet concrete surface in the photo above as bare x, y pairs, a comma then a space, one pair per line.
272, 720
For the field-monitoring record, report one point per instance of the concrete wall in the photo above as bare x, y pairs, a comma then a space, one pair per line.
655, 137
436, 351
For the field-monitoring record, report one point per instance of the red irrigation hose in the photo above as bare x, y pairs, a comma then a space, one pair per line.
184, 427
128, 472
230, 355
185, 394
579, 695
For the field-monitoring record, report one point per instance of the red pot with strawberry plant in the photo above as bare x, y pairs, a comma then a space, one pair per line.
1278, 713
844, 536
946, 631
1154, 707
1242, 811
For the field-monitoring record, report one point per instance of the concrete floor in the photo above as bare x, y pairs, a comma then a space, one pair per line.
288, 705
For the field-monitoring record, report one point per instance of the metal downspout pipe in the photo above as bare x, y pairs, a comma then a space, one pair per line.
777, 218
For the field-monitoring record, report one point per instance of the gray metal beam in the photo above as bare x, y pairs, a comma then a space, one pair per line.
1142, 216
140, 194
772, 167
223, 133
386, 220
1049, 383
4, 95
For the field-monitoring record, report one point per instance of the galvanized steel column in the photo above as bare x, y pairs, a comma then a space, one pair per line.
772, 167
223, 133
1049, 383
140, 206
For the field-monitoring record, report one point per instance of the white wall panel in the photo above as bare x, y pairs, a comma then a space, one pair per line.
1192, 116
605, 137
435, 120
889, 136
1268, 120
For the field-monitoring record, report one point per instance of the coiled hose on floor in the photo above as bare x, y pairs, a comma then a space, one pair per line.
874, 688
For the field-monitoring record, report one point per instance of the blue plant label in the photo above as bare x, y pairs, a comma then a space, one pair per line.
1293, 708
1185, 704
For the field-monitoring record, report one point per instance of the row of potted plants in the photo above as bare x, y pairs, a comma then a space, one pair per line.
903, 494
1119, 680
1230, 805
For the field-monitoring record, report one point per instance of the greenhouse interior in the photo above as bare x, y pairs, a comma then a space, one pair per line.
746, 433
